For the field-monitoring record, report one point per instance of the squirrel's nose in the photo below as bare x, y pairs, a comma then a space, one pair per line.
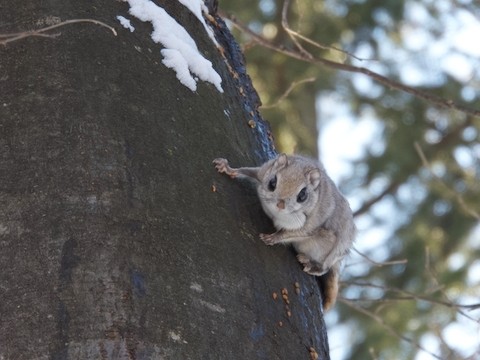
281, 204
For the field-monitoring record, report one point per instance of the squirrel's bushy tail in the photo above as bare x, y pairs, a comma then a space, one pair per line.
329, 287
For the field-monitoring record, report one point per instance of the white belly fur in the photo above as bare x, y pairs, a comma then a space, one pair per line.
289, 221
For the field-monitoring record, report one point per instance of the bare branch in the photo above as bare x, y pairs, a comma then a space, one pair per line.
407, 295
7, 38
433, 99
472, 212
439, 288
291, 33
392, 188
367, 205
294, 34
380, 264
387, 327
288, 91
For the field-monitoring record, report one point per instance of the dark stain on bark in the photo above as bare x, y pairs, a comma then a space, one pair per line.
68, 263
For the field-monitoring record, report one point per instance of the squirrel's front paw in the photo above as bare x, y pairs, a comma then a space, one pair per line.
268, 239
222, 167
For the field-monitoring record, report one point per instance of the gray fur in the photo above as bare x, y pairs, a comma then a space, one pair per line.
320, 228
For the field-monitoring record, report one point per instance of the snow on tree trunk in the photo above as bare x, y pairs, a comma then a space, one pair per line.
118, 239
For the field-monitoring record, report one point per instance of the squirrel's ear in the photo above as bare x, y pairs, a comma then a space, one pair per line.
281, 161
314, 177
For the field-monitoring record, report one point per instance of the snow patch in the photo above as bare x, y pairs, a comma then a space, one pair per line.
197, 7
125, 23
173, 59
181, 53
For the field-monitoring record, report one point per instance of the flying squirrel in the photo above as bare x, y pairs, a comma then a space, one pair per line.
307, 210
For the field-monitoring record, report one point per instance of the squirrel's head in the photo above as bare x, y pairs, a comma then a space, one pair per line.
289, 189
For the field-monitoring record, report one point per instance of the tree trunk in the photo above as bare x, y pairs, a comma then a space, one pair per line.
118, 238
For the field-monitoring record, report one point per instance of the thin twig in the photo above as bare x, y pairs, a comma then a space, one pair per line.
381, 264
407, 295
7, 38
394, 185
290, 32
387, 327
433, 99
434, 278
288, 91
295, 34
472, 212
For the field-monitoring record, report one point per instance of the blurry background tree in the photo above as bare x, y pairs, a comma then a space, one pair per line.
404, 147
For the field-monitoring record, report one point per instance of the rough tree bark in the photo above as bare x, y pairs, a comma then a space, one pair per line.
112, 243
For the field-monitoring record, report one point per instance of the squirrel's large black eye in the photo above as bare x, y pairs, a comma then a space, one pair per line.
302, 195
272, 184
